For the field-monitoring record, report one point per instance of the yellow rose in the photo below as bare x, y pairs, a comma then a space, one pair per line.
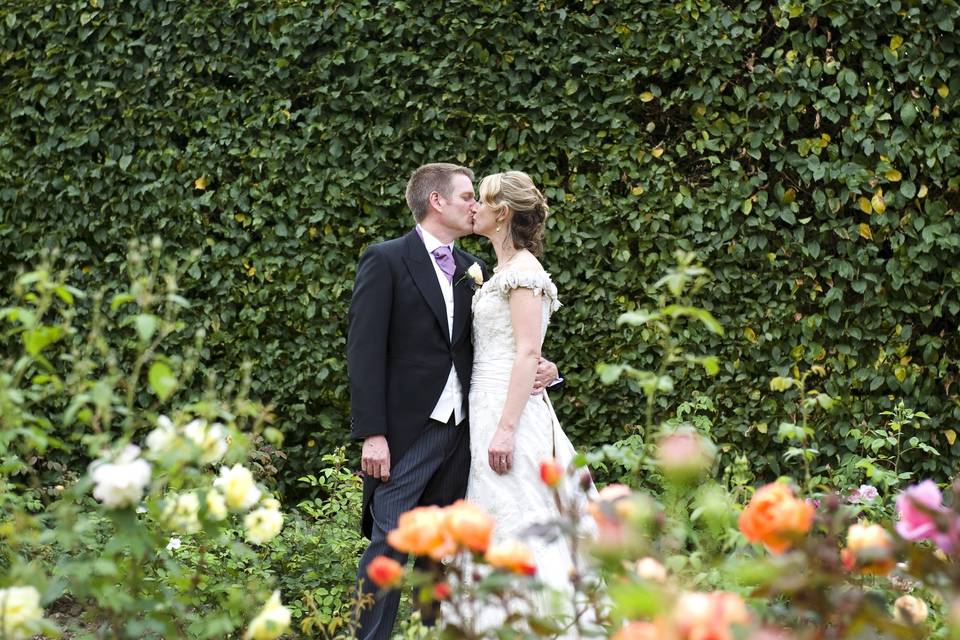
19, 609
238, 487
216, 505
263, 525
271, 623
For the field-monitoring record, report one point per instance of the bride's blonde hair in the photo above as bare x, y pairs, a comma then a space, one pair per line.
515, 189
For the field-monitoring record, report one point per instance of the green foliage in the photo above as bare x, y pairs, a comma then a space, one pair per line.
808, 152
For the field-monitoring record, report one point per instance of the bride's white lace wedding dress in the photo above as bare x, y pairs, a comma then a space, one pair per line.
518, 499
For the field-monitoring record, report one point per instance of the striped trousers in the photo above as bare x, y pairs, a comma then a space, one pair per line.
432, 472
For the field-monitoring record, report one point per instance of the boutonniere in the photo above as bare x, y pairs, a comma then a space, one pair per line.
475, 273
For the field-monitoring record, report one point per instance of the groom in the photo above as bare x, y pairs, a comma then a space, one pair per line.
409, 358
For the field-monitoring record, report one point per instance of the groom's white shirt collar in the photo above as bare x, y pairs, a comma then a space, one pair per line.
430, 241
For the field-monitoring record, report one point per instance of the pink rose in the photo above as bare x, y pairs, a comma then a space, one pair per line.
920, 507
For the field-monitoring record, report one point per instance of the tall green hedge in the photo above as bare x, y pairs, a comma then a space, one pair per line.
808, 151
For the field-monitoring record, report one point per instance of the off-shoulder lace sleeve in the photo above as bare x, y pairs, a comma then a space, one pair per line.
538, 281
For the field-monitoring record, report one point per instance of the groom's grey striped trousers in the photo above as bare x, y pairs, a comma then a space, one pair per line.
433, 470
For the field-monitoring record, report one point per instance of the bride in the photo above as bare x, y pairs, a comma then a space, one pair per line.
512, 431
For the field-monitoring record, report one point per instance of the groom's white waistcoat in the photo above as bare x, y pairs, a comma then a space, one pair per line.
451, 398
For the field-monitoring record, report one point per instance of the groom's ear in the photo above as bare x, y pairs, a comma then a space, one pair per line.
434, 199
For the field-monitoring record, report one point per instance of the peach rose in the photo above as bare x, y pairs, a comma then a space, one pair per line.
869, 549
551, 472
423, 532
775, 517
641, 631
650, 569
512, 555
385, 572
469, 525
709, 616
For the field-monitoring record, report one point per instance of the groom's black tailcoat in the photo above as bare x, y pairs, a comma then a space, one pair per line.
399, 349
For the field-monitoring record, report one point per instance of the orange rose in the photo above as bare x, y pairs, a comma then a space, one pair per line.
551, 472
385, 572
869, 549
775, 517
423, 532
469, 525
511, 556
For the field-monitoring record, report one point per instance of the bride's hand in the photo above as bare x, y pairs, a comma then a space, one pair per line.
500, 451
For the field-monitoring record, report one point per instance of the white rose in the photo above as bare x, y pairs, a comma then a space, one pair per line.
182, 513
263, 524
271, 623
238, 487
173, 544
270, 503
120, 483
161, 439
19, 609
216, 505
211, 440
475, 272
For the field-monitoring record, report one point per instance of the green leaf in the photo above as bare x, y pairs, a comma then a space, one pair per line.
146, 324
908, 113
39, 338
120, 299
161, 379
125, 162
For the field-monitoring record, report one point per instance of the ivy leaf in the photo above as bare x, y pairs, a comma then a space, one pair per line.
951, 436
877, 202
893, 175
865, 232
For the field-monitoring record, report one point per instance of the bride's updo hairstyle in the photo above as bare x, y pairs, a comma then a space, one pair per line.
515, 189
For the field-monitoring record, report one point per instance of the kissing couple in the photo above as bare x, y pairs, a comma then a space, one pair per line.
446, 377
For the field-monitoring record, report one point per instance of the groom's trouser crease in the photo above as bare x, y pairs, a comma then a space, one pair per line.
432, 471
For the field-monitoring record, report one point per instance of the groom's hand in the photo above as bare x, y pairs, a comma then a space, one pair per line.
547, 372
375, 458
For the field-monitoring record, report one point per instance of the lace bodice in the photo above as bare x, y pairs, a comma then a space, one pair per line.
492, 327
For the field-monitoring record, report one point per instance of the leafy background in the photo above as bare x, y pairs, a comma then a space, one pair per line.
807, 151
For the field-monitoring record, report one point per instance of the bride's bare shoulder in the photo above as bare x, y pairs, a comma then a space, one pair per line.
526, 261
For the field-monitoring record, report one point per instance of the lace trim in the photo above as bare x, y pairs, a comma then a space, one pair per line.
538, 281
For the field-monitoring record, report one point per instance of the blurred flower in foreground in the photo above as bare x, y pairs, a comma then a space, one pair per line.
210, 439
551, 472
19, 610
910, 610
469, 525
512, 555
921, 508
640, 631
775, 517
181, 513
869, 549
650, 569
120, 483
684, 454
712, 615
385, 572
423, 532
271, 623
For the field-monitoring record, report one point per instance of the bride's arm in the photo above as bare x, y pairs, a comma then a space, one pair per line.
526, 309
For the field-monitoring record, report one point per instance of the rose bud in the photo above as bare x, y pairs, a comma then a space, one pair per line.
551, 473
385, 572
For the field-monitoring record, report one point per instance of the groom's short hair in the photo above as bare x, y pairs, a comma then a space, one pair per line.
425, 180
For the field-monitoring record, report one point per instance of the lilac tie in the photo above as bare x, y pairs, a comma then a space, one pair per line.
444, 258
